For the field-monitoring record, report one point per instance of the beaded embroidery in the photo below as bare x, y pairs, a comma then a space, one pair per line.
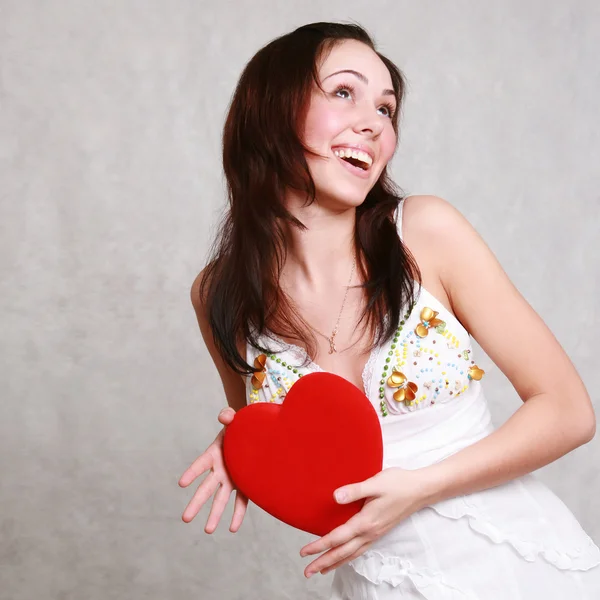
279, 377
392, 351
404, 394
259, 377
408, 389
475, 373
406, 384
429, 320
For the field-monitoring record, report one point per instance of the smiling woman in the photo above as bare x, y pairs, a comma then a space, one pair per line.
310, 131
338, 119
321, 264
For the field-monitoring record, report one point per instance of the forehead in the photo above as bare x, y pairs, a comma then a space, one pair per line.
352, 54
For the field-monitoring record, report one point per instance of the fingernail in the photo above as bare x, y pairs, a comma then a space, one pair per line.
340, 496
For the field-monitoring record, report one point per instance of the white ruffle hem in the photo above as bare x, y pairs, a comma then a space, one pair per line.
516, 541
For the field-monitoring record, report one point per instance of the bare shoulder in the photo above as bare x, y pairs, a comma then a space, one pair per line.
197, 301
486, 301
426, 215
421, 216
233, 383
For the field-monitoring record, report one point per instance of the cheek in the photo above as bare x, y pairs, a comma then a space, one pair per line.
388, 143
321, 126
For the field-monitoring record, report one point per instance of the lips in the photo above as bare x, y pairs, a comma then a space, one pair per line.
355, 158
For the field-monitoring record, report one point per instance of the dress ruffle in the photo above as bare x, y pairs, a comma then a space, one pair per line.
367, 374
393, 570
509, 515
531, 531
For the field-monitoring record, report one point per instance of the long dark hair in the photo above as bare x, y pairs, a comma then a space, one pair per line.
263, 156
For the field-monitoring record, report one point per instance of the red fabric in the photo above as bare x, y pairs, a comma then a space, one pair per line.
289, 458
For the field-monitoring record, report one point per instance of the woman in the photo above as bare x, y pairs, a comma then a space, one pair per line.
322, 265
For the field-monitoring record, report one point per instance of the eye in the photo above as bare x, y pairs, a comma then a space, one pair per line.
389, 108
348, 89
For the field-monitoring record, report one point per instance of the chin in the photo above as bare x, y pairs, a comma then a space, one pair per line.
347, 198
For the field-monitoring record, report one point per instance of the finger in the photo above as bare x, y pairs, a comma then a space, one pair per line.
226, 416
218, 506
202, 494
354, 555
357, 491
338, 536
239, 510
199, 466
334, 556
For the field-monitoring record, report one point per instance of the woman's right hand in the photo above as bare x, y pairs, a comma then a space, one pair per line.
212, 459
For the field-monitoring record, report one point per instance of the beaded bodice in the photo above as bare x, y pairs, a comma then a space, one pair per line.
429, 361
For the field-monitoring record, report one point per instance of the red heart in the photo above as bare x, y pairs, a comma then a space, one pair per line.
289, 458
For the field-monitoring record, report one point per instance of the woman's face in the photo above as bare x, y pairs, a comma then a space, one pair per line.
350, 125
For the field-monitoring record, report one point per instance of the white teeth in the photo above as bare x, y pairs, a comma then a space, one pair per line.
365, 158
356, 154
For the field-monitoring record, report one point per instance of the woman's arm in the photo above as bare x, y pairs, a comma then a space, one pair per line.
557, 415
217, 481
233, 383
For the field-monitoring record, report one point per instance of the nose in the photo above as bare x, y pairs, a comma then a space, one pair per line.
368, 122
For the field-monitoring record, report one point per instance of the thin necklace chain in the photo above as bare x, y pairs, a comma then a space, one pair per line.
331, 338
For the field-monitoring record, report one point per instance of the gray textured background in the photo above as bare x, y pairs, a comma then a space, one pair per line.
111, 187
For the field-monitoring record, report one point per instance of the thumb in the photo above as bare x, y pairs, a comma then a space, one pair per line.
355, 491
226, 415
347, 494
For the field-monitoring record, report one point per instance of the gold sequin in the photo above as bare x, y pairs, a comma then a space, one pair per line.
259, 377
428, 320
476, 373
407, 389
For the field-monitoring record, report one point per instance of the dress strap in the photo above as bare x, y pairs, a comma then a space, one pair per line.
399, 218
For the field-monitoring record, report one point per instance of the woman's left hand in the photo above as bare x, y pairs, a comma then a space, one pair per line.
391, 496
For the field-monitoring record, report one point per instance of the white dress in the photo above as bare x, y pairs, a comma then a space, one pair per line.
516, 541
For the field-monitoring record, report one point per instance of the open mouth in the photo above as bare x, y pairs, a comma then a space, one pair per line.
356, 158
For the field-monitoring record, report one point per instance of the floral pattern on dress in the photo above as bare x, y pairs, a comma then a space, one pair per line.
428, 361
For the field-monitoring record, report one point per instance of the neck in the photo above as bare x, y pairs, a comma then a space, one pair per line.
323, 254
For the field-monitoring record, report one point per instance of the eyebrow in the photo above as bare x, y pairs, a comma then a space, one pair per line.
362, 78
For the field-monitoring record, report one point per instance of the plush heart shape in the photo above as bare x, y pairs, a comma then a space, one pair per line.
289, 458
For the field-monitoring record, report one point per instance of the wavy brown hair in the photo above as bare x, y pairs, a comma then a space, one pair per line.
263, 156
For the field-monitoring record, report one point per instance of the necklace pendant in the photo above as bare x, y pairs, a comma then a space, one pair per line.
332, 346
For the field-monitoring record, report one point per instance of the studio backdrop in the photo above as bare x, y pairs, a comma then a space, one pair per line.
111, 189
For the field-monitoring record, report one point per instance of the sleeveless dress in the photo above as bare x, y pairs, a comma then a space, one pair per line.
515, 541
